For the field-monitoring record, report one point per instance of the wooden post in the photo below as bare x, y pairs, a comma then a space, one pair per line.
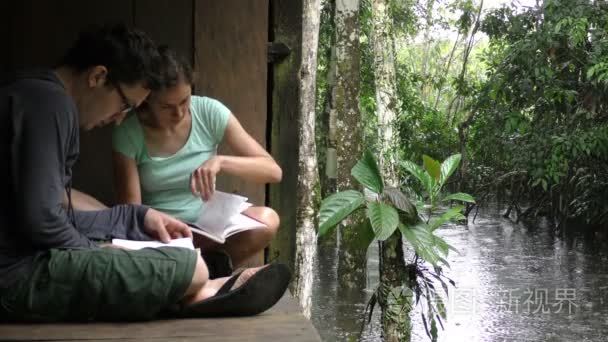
286, 28
293, 103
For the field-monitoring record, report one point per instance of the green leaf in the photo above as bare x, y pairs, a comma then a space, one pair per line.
367, 173
400, 201
433, 329
440, 306
432, 167
384, 219
337, 207
426, 327
590, 72
454, 213
420, 174
366, 235
422, 233
422, 240
459, 196
448, 167
443, 246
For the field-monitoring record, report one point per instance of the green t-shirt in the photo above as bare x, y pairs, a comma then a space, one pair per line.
165, 181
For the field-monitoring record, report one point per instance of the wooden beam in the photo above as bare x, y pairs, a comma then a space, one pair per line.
287, 29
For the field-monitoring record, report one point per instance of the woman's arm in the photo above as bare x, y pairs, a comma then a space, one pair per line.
126, 179
252, 162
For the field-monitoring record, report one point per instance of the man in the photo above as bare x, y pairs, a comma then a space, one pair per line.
51, 268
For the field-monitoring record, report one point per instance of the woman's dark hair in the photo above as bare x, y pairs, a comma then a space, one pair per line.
129, 54
173, 69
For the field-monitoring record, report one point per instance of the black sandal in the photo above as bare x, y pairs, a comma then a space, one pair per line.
258, 294
218, 263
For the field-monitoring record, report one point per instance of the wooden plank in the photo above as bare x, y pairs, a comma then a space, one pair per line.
167, 22
287, 29
281, 323
230, 55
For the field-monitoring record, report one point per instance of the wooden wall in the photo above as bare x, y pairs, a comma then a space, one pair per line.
235, 64
5, 36
225, 40
41, 33
167, 22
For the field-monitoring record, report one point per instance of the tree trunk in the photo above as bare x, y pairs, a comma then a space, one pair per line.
327, 139
346, 122
393, 301
387, 101
469, 47
308, 179
328, 180
447, 71
394, 297
463, 127
425, 91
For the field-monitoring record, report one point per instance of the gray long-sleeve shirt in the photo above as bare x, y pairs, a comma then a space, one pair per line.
40, 137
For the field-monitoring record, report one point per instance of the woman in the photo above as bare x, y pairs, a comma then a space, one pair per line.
165, 157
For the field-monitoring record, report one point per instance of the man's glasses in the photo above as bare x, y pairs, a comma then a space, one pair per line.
126, 105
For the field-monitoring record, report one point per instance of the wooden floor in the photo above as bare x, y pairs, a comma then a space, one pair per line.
283, 322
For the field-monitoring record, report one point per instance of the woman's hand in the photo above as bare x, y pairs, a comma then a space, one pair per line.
164, 227
202, 180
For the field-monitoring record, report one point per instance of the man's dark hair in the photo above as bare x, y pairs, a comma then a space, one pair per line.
173, 69
129, 54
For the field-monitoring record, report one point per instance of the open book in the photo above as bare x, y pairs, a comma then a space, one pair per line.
131, 244
221, 216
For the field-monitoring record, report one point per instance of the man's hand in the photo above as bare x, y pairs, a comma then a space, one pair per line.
164, 227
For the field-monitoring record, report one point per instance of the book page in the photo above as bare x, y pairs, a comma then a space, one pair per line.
245, 206
241, 223
131, 244
197, 230
217, 212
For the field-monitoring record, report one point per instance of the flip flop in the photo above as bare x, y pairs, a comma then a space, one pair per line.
258, 294
218, 263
